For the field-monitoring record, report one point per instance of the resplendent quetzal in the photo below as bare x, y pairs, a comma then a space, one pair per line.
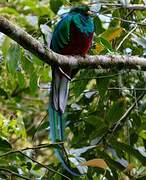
72, 36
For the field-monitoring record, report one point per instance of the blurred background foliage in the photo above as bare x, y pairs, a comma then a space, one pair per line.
97, 100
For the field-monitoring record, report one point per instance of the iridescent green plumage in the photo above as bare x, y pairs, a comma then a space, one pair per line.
61, 36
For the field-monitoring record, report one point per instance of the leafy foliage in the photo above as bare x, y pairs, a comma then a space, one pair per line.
97, 100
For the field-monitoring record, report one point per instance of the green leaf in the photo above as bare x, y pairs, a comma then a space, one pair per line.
13, 57
29, 165
111, 175
112, 163
3, 93
33, 81
106, 43
5, 145
98, 25
11, 168
139, 40
21, 80
142, 106
55, 5
133, 152
144, 143
3, 176
99, 131
8, 10
102, 85
57, 177
36, 60
36, 167
133, 138
3, 1
141, 178
27, 64
5, 46
136, 120
104, 39
43, 126
115, 22
143, 134
79, 87
115, 111
94, 120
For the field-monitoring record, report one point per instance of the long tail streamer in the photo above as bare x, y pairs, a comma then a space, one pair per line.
57, 128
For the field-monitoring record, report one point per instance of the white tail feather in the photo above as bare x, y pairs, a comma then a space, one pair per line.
59, 90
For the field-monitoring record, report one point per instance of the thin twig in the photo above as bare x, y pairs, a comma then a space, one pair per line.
132, 89
14, 173
109, 133
44, 166
98, 77
39, 126
129, 33
135, 100
141, 7
41, 146
34, 148
117, 89
124, 20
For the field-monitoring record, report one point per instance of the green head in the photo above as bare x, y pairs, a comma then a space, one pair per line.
83, 9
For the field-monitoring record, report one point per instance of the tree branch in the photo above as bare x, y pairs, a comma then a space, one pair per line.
44, 166
41, 146
140, 7
51, 58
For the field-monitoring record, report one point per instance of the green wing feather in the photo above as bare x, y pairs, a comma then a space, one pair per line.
61, 35
84, 24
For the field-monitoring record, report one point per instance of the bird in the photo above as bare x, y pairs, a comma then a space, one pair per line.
72, 36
